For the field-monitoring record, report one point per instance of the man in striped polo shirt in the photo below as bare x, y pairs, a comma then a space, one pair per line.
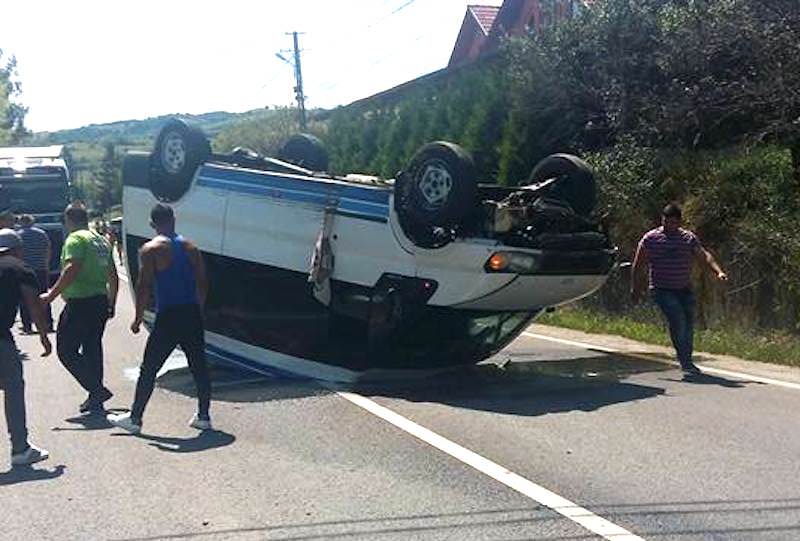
669, 252
36, 254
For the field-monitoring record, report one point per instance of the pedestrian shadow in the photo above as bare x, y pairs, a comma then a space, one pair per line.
708, 379
26, 474
88, 421
203, 441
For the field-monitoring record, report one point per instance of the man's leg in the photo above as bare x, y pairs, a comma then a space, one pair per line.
193, 344
95, 316
675, 315
69, 336
14, 396
160, 344
687, 301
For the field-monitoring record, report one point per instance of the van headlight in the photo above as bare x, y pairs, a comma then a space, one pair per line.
513, 263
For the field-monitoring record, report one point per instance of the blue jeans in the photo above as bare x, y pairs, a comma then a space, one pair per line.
14, 390
677, 305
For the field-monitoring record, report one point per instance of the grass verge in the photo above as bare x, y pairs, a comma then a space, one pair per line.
766, 346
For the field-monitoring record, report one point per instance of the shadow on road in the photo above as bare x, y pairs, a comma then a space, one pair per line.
708, 379
529, 388
88, 421
203, 441
208, 439
515, 382
26, 474
235, 385
759, 516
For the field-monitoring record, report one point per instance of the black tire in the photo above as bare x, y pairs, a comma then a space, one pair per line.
179, 150
439, 187
305, 150
575, 182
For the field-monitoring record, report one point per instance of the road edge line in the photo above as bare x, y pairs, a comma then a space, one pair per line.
708, 369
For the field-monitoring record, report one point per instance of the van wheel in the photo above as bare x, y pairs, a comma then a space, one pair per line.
179, 150
575, 183
439, 187
305, 150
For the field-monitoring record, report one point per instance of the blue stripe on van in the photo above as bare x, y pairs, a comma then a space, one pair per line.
297, 182
354, 201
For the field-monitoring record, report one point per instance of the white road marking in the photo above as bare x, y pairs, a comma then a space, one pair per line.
709, 369
595, 524
573, 343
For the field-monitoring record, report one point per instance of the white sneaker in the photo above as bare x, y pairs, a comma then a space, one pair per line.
124, 421
31, 455
201, 424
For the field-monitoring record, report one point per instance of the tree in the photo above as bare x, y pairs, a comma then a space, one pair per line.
699, 74
107, 180
12, 114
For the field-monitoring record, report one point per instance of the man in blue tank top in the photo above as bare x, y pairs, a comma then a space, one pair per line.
173, 267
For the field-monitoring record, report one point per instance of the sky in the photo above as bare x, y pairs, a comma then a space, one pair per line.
95, 61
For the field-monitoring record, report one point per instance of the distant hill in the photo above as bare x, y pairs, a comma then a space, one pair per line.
144, 131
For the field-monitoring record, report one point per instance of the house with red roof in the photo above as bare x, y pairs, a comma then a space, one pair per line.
485, 27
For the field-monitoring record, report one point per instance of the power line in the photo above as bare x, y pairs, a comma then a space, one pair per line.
299, 95
379, 21
393, 52
378, 61
341, 45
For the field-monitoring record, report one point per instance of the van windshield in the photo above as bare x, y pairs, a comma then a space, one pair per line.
34, 194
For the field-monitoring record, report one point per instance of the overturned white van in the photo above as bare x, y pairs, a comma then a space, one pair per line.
330, 276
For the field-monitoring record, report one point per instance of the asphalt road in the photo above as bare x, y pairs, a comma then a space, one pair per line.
627, 441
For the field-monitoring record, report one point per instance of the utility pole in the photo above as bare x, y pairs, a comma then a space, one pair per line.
298, 90
298, 78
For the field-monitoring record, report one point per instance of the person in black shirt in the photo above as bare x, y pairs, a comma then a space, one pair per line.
17, 281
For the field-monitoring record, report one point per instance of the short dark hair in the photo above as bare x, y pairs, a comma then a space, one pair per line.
76, 213
162, 214
673, 210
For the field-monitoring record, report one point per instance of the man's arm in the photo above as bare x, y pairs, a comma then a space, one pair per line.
200, 275
640, 262
112, 279
30, 297
706, 256
144, 285
68, 275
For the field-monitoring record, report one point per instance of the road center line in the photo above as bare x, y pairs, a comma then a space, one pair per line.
711, 370
539, 494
